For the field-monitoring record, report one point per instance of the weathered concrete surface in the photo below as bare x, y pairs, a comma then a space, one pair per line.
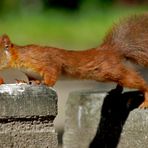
135, 130
26, 100
114, 119
26, 116
82, 117
31, 134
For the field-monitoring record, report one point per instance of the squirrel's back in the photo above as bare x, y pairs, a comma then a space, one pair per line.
130, 37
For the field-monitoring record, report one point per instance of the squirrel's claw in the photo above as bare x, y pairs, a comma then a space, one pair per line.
20, 81
144, 104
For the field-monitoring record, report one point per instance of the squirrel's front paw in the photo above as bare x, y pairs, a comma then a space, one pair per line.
35, 82
20, 81
1, 81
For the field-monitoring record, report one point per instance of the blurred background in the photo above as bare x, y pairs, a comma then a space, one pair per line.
69, 24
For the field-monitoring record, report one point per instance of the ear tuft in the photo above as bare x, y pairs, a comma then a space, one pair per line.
5, 39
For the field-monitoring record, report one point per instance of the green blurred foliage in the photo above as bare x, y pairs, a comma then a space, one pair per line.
28, 21
9, 6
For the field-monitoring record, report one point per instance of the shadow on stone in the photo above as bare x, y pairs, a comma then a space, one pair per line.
115, 110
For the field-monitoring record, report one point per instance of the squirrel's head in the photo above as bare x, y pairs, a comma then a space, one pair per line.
5, 43
5, 46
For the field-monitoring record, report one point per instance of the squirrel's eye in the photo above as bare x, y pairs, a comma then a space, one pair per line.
6, 47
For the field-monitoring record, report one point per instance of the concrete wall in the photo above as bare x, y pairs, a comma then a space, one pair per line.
26, 116
135, 125
97, 119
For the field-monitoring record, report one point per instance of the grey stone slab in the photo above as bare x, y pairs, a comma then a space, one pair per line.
135, 130
31, 134
21, 100
116, 119
27, 113
82, 117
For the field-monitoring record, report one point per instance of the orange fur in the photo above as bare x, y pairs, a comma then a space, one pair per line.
126, 41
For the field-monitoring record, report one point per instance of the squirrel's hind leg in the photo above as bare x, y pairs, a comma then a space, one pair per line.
127, 77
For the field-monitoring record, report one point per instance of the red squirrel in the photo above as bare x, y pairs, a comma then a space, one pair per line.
126, 41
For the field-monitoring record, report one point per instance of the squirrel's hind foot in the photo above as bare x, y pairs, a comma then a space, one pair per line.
144, 104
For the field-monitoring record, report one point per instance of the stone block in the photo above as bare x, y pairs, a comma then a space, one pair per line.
107, 120
27, 113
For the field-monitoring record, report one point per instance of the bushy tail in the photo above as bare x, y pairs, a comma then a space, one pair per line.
139, 57
130, 37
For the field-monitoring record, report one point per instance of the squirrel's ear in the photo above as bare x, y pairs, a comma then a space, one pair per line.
5, 41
